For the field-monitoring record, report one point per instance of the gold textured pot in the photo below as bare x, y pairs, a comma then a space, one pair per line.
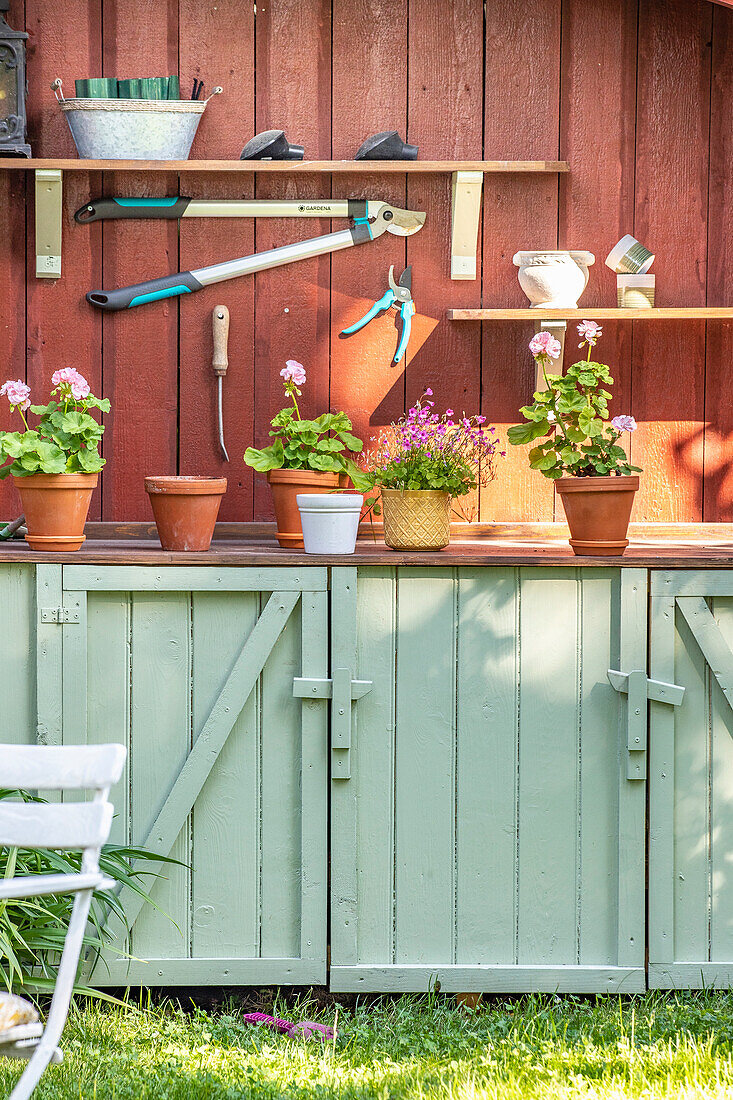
416, 519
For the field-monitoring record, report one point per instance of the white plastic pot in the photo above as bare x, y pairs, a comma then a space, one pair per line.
330, 521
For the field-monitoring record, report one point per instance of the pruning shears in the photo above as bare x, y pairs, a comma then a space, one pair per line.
397, 296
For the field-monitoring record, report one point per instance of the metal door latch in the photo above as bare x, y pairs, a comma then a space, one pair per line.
342, 691
639, 688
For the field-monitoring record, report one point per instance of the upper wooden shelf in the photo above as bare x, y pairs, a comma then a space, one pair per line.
288, 167
662, 313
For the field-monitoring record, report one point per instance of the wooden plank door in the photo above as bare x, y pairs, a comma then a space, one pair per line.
488, 837
691, 782
193, 670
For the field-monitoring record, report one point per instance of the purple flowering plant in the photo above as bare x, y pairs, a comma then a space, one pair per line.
325, 443
572, 415
429, 450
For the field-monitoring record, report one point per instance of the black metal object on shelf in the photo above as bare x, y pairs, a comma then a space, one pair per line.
12, 88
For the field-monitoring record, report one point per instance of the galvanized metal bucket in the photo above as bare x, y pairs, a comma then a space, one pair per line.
133, 129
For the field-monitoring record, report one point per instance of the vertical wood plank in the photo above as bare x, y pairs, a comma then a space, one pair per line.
521, 120
280, 796
293, 50
160, 738
718, 476
720, 805
599, 752
673, 112
217, 44
62, 328
226, 819
597, 196
425, 767
369, 95
661, 786
632, 649
49, 722
314, 780
74, 664
140, 359
108, 690
362, 808
17, 643
487, 738
548, 766
13, 189
445, 68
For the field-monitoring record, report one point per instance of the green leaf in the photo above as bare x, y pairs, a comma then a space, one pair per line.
519, 434
327, 445
324, 462
353, 444
269, 458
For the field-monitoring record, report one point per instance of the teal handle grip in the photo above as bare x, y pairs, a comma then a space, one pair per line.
168, 286
106, 209
407, 312
383, 303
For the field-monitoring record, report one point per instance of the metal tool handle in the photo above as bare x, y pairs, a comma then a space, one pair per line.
220, 325
107, 208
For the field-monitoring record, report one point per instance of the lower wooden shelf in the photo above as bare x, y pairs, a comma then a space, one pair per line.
661, 313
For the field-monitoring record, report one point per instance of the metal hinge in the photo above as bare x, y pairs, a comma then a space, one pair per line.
638, 687
60, 615
342, 691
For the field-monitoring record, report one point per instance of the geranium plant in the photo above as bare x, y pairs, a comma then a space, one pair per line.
429, 450
66, 437
326, 443
572, 415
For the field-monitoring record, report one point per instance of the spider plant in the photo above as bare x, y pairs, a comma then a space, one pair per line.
32, 930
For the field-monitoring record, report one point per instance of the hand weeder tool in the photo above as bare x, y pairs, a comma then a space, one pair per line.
370, 220
220, 362
399, 296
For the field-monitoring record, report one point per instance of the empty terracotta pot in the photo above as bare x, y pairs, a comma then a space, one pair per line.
56, 508
286, 485
598, 510
185, 509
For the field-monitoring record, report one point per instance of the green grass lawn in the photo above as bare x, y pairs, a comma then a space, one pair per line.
647, 1046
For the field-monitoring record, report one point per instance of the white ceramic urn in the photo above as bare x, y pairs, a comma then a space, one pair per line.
554, 279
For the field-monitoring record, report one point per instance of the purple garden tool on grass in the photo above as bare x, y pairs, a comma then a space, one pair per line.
304, 1029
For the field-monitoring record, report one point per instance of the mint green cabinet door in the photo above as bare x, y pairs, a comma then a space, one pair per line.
691, 782
488, 837
193, 669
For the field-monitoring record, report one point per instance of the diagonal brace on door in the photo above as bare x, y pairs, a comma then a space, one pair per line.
214, 733
713, 645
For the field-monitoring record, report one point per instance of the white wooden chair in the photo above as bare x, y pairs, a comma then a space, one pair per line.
72, 825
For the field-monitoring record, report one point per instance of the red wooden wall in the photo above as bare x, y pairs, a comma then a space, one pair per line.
635, 94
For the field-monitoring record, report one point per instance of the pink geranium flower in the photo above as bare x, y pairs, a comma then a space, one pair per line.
589, 332
544, 343
17, 393
293, 372
77, 383
624, 423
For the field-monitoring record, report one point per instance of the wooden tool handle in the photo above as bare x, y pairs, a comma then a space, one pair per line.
220, 325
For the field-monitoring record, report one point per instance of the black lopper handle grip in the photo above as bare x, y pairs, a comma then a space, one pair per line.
97, 210
124, 297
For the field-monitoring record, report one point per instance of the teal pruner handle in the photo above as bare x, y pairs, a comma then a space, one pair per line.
97, 210
384, 302
407, 312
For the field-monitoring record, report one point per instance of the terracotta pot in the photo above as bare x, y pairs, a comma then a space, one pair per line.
598, 510
286, 485
56, 508
416, 519
185, 509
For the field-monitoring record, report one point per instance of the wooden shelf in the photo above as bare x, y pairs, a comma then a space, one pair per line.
288, 167
662, 313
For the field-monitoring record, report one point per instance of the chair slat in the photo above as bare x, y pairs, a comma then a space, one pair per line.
36, 886
61, 767
41, 825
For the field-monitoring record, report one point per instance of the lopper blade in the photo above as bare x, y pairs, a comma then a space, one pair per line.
405, 223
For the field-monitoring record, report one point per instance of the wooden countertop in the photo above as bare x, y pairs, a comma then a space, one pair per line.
667, 546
